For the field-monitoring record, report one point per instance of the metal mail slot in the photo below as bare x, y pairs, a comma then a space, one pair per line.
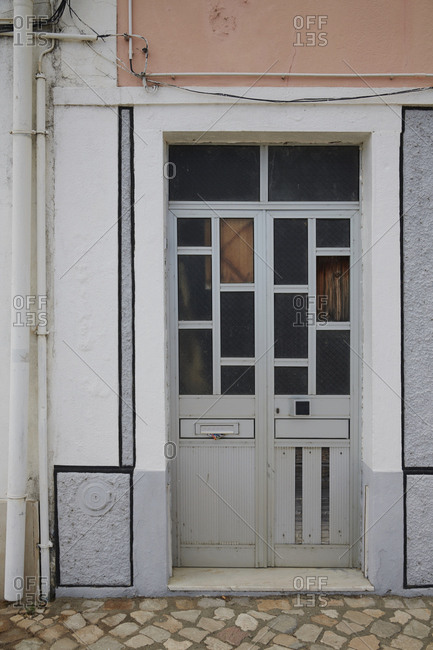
309, 428
219, 428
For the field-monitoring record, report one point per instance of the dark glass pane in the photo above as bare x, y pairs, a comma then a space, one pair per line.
195, 362
237, 324
215, 173
319, 173
290, 326
291, 381
333, 232
237, 250
290, 251
333, 289
195, 287
333, 363
325, 495
193, 232
237, 380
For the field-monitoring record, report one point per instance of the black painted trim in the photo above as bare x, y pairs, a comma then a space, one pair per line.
132, 222
105, 469
119, 279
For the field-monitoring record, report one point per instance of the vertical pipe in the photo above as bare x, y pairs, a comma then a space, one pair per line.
45, 543
20, 289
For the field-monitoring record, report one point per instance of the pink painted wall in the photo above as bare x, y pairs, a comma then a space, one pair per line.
362, 36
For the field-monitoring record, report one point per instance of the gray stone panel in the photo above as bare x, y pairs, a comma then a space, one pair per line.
94, 533
417, 232
419, 522
126, 291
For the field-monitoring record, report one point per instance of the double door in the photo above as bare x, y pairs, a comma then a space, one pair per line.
264, 374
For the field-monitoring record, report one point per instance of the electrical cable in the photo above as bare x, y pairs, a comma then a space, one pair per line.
301, 100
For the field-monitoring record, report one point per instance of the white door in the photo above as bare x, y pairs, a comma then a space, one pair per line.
264, 366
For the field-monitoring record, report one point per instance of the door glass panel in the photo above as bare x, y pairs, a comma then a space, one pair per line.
237, 380
193, 232
331, 233
237, 324
333, 289
333, 363
317, 173
325, 495
290, 326
291, 381
290, 251
237, 250
195, 287
298, 495
195, 362
214, 173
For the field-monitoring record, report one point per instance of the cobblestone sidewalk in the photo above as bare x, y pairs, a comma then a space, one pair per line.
303, 621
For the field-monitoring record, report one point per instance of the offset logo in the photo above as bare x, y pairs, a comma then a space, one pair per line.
309, 31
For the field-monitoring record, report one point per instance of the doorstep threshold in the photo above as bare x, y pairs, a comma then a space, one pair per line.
275, 580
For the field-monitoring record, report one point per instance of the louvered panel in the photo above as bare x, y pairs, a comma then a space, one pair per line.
311, 495
284, 495
339, 495
217, 494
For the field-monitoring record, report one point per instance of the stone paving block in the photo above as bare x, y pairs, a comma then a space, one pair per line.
333, 640
93, 617
122, 604
139, 641
308, 632
92, 604
322, 619
284, 623
331, 613
193, 634
261, 615
321, 646
216, 644
75, 622
113, 620
153, 604
414, 603
53, 633
188, 615
421, 613
264, 635
142, 617
210, 624
155, 633
35, 627
106, 643
184, 603
5, 624
360, 602
246, 622
65, 644
170, 644
47, 621
404, 642
24, 624
358, 617
392, 603
369, 642
124, 629
400, 617
417, 629
376, 613
204, 603
384, 629
29, 644
285, 640
349, 628
88, 635
170, 624
232, 634
224, 613
268, 604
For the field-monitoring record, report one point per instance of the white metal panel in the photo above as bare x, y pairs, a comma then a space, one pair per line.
311, 495
227, 428
217, 494
306, 428
284, 495
339, 495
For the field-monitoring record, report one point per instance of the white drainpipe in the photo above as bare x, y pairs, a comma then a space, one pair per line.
20, 287
45, 543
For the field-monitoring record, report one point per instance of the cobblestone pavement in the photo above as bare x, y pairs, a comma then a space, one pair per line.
302, 621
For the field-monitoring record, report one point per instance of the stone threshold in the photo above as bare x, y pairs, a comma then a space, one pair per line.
272, 580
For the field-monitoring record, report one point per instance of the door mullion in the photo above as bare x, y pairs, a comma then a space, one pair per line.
261, 527
311, 310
